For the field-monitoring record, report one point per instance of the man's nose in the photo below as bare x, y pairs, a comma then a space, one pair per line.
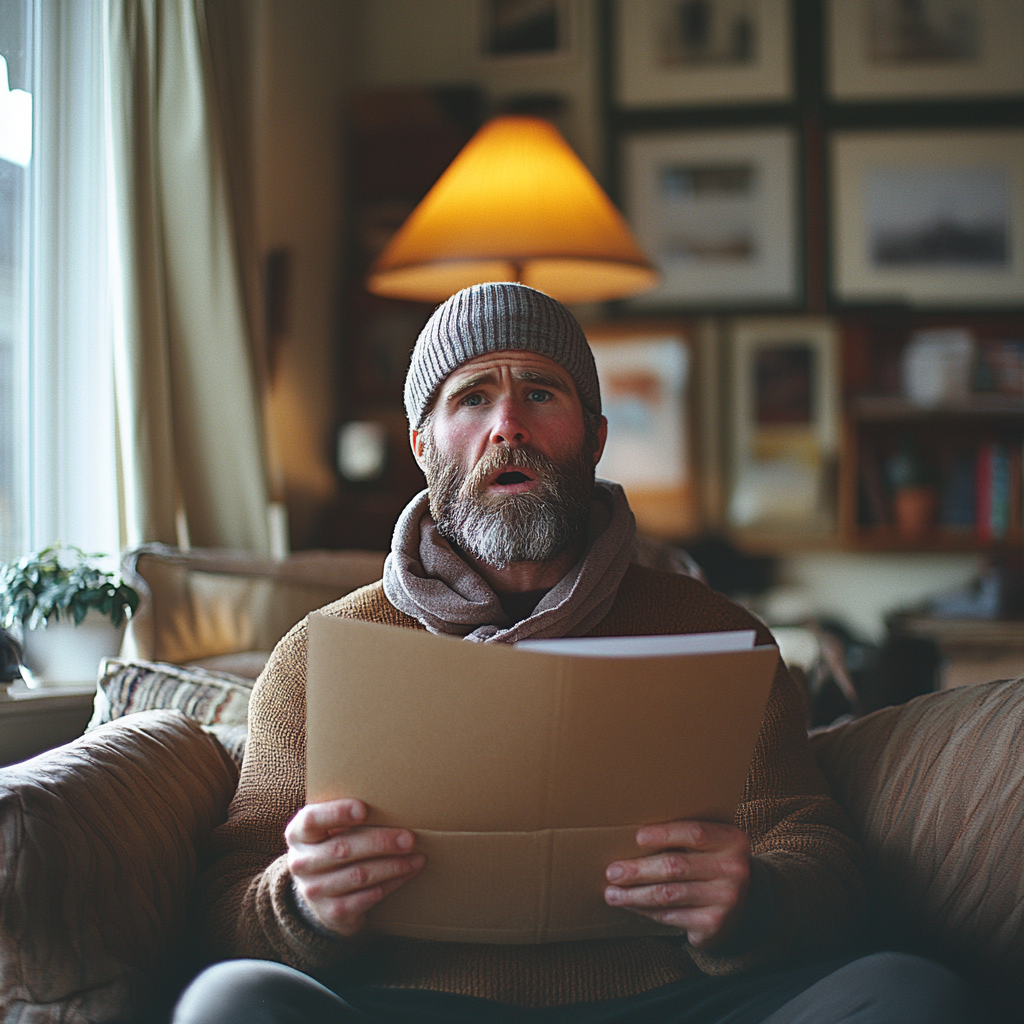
509, 426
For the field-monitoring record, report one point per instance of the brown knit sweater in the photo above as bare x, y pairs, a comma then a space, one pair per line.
807, 880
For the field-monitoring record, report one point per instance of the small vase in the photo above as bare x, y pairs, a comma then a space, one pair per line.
64, 653
915, 509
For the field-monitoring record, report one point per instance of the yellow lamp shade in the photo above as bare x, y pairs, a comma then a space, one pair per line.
516, 204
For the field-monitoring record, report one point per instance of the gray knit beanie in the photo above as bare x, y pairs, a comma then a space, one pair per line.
492, 318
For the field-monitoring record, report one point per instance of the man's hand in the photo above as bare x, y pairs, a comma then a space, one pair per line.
697, 880
341, 868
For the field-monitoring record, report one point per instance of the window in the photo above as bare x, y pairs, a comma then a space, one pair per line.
57, 449
15, 159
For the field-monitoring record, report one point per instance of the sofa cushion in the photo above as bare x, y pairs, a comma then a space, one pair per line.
935, 790
99, 842
126, 686
205, 603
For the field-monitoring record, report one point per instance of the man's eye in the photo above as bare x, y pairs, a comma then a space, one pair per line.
539, 395
472, 399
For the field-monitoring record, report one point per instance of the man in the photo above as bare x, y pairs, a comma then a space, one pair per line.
513, 539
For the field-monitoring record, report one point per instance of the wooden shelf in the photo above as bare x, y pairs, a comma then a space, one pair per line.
886, 538
884, 408
967, 450
990, 633
783, 542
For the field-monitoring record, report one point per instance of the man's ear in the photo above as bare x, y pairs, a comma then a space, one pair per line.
416, 443
602, 437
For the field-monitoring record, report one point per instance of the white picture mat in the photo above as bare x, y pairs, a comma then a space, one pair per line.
751, 336
643, 81
856, 154
773, 275
644, 646
647, 434
761, 480
568, 28
997, 71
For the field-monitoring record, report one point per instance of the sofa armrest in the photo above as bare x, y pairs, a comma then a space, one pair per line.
99, 843
933, 789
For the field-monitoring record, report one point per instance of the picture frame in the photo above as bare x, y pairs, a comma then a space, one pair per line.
784, 421
512, 32
647, 371
702, 52
932, 218
879, 50
716, 212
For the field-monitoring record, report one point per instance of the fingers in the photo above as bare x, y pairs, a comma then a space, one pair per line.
676, 866
670, 895
361, 877
704, 836
702, 924
354, 844
698, 884
345, 913
315, 822
341, 867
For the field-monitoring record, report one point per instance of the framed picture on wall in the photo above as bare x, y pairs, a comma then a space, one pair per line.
695, 52
646, 371
929, 218
784, 420
512, 31
716, 211
891, 49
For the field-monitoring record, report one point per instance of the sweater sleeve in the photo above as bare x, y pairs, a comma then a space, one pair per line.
807, 891
246, 895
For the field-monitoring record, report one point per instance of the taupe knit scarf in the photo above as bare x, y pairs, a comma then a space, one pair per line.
426, 579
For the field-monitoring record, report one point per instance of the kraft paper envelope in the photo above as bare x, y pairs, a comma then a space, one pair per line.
523, 774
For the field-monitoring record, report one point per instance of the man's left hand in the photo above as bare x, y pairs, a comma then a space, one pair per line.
697, 880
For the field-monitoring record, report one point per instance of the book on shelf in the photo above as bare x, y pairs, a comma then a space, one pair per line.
980, 490
957, 506
993, 488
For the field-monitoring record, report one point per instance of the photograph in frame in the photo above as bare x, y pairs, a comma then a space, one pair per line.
513, 31
699, 52
928, 49
929, 217
784, 418
716, 212
646, 373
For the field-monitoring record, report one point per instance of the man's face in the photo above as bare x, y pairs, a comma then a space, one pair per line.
509, 458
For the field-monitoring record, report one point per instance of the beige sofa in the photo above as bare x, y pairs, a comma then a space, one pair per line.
101, 840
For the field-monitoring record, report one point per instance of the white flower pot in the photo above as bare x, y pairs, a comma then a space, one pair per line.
65, 653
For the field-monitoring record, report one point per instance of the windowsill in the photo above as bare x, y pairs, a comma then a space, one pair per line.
19, 693
36, 720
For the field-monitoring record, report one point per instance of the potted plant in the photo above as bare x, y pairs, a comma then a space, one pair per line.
915, 491
71, 612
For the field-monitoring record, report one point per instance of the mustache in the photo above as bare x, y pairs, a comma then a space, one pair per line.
505, 458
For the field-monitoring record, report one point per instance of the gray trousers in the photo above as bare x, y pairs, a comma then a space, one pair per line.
882, 988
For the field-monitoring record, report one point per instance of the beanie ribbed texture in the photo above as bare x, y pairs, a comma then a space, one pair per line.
497, 317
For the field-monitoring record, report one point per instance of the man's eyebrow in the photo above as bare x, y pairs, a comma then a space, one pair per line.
549, 380
540, 377
469, 384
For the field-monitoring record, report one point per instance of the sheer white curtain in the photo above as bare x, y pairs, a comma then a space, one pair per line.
70, 490
191, 442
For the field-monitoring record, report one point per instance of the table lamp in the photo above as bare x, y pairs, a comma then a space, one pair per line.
516, 204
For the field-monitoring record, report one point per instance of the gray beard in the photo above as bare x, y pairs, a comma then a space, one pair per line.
502, 529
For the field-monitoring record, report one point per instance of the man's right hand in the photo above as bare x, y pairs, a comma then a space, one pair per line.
341, 867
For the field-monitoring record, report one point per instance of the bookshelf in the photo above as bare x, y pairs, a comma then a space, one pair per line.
946, 477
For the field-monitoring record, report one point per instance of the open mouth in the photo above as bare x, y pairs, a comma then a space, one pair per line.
512, 477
